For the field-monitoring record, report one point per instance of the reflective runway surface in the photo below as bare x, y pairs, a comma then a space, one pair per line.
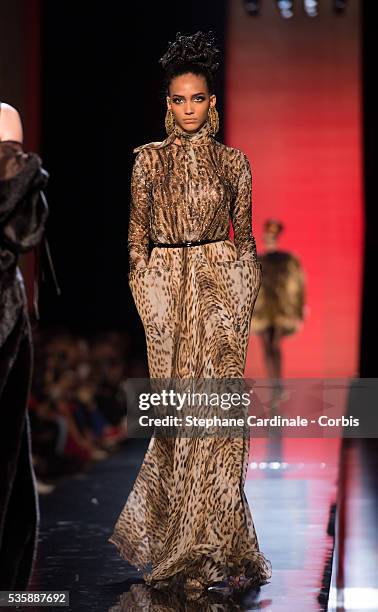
290, 488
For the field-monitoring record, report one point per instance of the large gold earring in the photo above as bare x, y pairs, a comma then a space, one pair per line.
213, 120
169, 121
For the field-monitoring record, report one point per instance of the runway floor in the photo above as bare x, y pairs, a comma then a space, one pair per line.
291, 486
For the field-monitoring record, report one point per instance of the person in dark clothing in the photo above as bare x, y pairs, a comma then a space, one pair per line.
23, 214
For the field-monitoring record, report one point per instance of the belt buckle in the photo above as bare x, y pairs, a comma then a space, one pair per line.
188, 243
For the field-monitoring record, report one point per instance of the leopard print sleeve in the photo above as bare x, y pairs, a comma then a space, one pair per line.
138, 233
241, 209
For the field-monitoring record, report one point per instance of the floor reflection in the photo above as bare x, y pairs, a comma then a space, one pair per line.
290, 486
143, 597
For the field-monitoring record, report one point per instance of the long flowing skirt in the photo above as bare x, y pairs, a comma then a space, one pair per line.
187, 519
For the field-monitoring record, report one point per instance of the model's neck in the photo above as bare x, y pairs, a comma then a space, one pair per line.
200, 135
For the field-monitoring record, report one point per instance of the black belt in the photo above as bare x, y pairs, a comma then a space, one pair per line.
188, 243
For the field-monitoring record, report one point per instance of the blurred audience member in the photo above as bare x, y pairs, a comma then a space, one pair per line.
78, 402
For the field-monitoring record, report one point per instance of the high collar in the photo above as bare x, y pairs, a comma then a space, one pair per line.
200, 137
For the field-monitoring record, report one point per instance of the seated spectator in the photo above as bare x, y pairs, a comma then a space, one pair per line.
77, 405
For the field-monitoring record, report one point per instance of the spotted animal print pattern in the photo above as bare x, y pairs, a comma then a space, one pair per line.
190, 192
186, 522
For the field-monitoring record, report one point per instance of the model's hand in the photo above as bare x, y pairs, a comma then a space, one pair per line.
306, 312
299, 325
138, 264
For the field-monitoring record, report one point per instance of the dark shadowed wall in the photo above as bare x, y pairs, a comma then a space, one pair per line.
102, 96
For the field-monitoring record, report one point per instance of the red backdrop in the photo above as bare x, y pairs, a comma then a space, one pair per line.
293, 105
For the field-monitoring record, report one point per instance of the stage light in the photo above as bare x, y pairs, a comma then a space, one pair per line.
252, 7
311, 8
286, 8
339, 6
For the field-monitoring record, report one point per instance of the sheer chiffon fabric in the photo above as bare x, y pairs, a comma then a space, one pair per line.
186, 522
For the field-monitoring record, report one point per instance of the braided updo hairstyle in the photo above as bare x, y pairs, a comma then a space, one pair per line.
196, 53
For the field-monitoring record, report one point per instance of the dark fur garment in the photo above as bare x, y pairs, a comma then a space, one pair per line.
23, 214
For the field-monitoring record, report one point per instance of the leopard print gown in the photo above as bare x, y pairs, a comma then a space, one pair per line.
187, 521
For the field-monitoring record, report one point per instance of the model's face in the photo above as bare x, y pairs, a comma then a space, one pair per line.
270, 238
189, 100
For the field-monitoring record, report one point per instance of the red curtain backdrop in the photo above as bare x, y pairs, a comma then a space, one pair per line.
293, 100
